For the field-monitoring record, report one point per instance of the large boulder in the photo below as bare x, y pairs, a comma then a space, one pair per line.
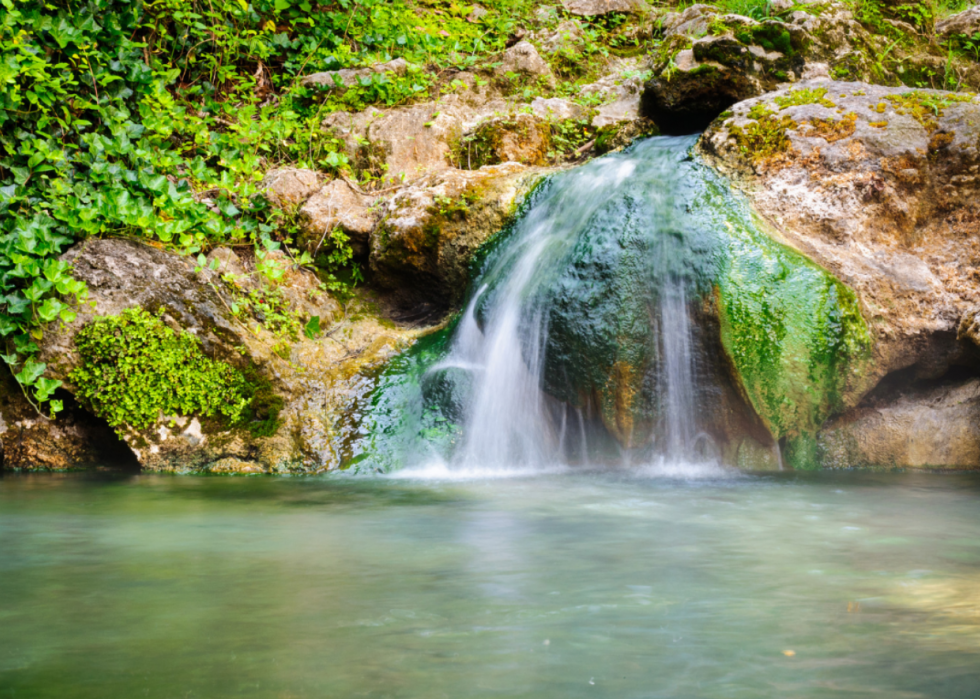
303, 385
877, 185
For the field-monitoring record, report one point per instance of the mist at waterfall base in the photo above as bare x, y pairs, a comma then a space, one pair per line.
577, 345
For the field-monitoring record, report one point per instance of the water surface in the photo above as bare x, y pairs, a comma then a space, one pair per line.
566, 584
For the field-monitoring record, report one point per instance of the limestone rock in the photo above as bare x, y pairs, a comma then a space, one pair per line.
621, 91
350, 76
966, 23
524, 139
34, 442
406, 143
430, 230
709, 60
970, 327
315, 379
556, 109
594, 8
881, 186
289, 186
338, 205
921, 428
523, 59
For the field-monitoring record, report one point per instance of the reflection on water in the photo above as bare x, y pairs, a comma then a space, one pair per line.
652, 583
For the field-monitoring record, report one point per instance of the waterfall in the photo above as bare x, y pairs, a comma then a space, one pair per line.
501, 346
636, 312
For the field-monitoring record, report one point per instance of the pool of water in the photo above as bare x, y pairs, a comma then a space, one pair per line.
641, 583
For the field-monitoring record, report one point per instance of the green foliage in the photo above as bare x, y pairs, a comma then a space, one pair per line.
133, 368
154, 120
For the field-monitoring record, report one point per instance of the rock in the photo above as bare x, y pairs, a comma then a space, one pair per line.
621, 91
969, 328
310, 383
709, 61
565, 35
338, 205
350, 76
966, 23
556, 109
406, 143
289, 186
594, 8
523, 59
523, 139
695, 79
920, 428
879, 186
476, 14
430, 230
34, 442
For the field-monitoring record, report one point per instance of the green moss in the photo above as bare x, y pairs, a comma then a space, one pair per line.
133, 368
763, 138
771, 36
927, 107
807, 95
794, 334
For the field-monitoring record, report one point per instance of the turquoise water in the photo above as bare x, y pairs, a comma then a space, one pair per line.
564, 584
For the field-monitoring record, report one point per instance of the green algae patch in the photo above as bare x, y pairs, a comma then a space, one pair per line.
764, 137
807, 95
406, 409
926, 107
794, 334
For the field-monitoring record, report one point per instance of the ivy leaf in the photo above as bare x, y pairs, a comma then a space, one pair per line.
312, 327
30, 372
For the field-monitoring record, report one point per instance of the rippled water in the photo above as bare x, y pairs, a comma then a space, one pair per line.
664, 582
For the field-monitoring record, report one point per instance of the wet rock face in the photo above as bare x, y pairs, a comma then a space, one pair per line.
307, 382
880, 186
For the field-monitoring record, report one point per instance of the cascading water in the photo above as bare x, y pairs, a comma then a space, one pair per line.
604, 326
510, 419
